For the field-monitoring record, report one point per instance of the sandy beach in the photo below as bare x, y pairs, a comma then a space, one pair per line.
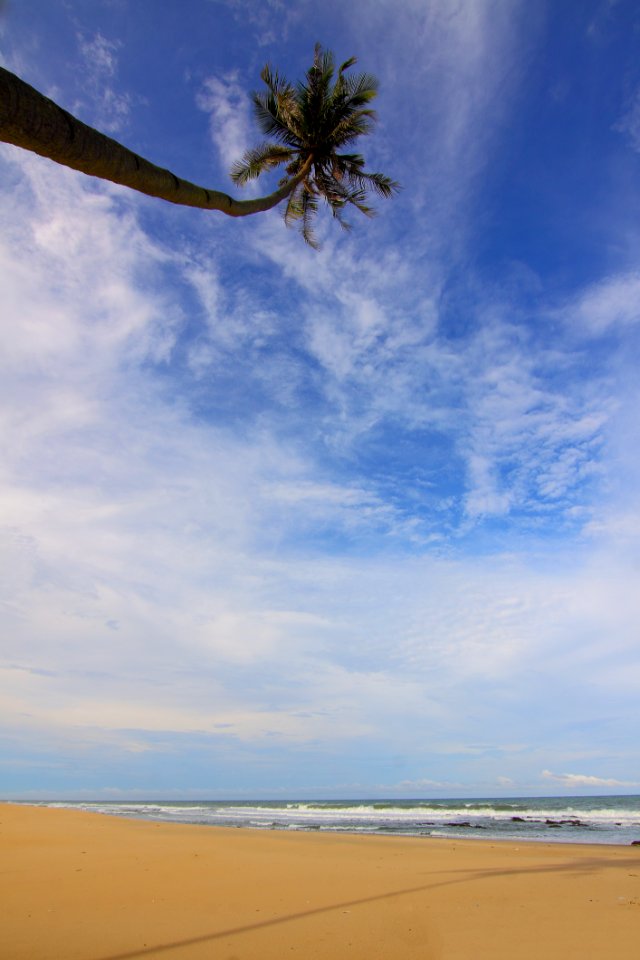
82, 885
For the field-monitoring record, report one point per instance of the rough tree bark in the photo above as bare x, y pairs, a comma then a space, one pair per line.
30, 120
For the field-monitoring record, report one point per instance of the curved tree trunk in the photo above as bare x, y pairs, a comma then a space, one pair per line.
32, 121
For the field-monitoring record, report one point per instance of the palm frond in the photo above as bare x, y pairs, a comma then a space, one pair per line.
309, 210
348, 126
267, 156
351, 166
345, 66
301, 208
360, 88
276, 117
293, 207
275, 108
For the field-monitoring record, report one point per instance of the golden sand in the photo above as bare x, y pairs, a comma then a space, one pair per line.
83, 886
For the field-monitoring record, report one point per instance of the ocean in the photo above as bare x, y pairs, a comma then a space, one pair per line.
560, 819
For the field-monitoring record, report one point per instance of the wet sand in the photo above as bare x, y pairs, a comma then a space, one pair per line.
84, 886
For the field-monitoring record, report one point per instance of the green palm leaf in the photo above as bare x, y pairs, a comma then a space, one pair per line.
256, 161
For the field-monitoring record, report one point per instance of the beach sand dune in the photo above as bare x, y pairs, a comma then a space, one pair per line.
83, 886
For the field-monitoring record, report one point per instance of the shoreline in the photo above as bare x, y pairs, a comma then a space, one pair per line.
325, 831
613, 821
104, 887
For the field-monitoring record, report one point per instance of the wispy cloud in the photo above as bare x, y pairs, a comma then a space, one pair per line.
468, 61
585, 780
629, 123
612, 303
225, 100
495, 399
109, 108
270, 20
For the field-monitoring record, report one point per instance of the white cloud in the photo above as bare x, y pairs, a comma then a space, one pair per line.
585, 780
612, 303
109, 108
629, 123
133, 534
62, 708
100, 54
529, 441
227, 103
420, 785
468, 60
271, 20
512, 403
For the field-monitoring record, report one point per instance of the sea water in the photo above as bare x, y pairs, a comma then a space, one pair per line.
565, 819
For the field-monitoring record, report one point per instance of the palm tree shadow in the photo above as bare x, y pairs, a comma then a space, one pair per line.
574, 867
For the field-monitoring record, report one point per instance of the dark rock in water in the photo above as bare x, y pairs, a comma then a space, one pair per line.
561, 823
466, 823
517, 819
635, 843
553, 825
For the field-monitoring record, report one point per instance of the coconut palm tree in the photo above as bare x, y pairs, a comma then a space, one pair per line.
309, 124
32, 121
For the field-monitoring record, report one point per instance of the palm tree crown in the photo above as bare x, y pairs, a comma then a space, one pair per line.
309, 124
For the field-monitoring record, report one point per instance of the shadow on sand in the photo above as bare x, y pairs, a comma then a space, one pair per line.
575, 867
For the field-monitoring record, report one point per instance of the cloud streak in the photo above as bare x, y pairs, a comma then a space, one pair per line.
584, 780
110, 109
227, 103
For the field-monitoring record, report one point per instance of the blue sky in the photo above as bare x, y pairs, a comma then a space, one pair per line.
360, 522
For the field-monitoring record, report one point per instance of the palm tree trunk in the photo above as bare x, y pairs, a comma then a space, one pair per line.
32, 121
